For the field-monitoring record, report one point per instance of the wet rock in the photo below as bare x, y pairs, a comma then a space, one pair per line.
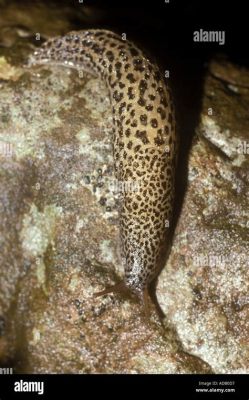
21, 21
235, 78
204, 288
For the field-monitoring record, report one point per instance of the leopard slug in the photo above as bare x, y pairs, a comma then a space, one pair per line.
144, 141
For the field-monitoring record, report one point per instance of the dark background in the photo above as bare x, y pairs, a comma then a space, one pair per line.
170, 26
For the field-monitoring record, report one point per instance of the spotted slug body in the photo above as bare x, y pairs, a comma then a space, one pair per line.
144, 140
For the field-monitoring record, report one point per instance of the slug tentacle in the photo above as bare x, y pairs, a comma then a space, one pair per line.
118, 288
121, 287
144, 141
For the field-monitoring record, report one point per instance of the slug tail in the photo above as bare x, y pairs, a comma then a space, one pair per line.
145, 299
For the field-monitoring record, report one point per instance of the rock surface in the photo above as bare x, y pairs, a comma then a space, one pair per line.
59, 235
204, 288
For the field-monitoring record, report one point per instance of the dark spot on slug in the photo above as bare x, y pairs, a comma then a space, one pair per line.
149, 107
142, 86
141, 102
131, 78
154, 123
161, 112
134, 123
143, 136
118, 96
137, 148
118, 65
127, 132
143, 119
110, 55
130, 93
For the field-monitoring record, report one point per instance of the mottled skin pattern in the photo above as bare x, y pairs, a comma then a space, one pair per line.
144, 140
